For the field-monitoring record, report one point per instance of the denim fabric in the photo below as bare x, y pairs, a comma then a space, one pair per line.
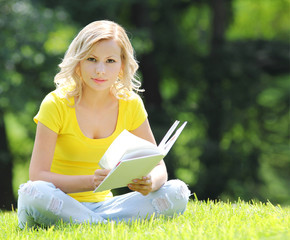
41, 203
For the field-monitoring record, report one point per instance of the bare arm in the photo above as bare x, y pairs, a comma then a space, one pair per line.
158, 176
42, 155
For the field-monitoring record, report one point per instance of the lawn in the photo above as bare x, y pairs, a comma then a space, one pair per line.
202, 220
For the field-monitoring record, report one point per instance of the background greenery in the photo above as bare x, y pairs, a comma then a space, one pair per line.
221, 65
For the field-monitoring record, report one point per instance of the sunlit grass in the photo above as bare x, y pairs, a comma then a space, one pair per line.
202, 220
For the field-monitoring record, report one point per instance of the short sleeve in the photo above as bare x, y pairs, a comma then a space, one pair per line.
49, 113
138, 111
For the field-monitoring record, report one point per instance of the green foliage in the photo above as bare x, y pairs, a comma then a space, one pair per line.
202, 220
29, 64
264, 19
26, 74
20, 145
59, 39
194, 26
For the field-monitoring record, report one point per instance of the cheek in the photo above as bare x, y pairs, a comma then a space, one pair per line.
115, 70
119, 70
85, 70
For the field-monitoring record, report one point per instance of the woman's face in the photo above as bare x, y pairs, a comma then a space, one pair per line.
101, 68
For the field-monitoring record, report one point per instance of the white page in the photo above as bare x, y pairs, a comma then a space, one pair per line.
173, 139
125, 143
168, 134
140, 153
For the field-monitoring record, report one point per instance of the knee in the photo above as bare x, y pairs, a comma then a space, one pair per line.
178, 190
33, 191
33, 199
173, 198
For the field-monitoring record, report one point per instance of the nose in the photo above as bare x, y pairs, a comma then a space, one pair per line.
100, 69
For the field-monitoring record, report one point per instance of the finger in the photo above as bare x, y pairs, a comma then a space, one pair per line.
140, 188
144, 191
146, 177
142, 181
98, 179
101, 178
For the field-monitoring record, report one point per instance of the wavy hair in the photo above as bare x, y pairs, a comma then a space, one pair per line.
81, 47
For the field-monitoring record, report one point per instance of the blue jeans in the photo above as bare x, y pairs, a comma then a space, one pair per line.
41, 203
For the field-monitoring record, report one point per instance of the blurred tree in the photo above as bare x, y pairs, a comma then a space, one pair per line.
211, 106
7, 198
25, 69
235, 75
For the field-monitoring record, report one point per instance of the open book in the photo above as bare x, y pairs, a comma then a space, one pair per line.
131, 157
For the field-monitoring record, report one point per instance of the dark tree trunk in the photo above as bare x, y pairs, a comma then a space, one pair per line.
148, 68
6, 195
151, 78
212, 177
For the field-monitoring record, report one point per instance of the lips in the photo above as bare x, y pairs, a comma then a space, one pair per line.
98, 80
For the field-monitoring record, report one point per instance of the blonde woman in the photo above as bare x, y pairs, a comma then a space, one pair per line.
94, 101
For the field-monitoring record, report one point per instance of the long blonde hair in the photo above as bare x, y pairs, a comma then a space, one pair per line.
81, 46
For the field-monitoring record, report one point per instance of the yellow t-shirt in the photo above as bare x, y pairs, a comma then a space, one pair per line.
76, 154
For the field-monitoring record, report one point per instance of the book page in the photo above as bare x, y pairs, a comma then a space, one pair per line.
166, 145
125, 143
140, 153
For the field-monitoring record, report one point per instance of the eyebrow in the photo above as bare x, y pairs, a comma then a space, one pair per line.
112, 56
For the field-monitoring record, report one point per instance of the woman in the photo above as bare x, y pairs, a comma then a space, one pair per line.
93, 103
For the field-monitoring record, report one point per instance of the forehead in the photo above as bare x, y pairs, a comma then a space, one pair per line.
106, 48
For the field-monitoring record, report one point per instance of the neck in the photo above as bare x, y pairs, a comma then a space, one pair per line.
96, 100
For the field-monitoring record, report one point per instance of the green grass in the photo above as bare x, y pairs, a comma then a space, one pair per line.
202, 220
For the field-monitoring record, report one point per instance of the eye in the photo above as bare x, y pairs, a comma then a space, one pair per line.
111, 61
91, 59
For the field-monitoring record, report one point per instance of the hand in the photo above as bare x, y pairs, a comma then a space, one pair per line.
143, 185
99, 176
